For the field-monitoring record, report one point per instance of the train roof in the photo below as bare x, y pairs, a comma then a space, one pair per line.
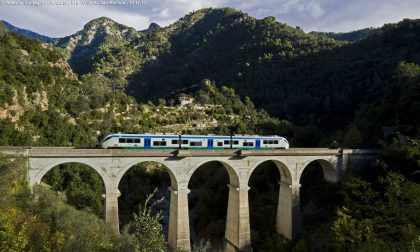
171, 135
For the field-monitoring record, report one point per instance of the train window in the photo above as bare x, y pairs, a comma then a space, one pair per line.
130, 140
121, 140
248, 144
219, 144
227, 142
196, 144
270, 142
235, 142
159, 143
175, 141
184, 141
137, 140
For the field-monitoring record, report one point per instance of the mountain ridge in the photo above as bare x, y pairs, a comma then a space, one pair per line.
352, 36
26, 33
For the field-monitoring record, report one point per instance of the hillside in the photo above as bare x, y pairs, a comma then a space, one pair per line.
310, 80
352, 36
26, 33
203, 43
305, 79
44, 103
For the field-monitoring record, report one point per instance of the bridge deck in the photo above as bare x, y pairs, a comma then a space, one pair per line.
91, 152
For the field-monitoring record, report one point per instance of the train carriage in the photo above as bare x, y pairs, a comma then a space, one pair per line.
171, 141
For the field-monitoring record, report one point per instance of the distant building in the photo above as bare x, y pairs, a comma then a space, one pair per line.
185, 100
199, 125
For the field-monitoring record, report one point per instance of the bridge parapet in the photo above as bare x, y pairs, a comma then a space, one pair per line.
94, 152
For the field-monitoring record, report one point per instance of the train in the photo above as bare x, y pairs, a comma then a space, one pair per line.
172, 141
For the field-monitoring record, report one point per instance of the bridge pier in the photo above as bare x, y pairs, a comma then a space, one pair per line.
238, 231
111, 204
179, 227
288, 210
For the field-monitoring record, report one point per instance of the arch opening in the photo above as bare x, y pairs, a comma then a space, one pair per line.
137, 183
83, 186
317, 194
208, 201
263, 203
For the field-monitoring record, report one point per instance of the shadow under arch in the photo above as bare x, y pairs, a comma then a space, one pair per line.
328, 169
209, 183
264, 183
123, 172
40, 175
318, 193
83, 185
137, 181
284, 171
233, 174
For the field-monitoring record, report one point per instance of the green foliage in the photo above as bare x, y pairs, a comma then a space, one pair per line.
9, 135
14, 233
353, 138
74, 230
43, 222
202, 246
3, 29
397, 107
82, 185
146, 227
380, 212
389, 223
137, 184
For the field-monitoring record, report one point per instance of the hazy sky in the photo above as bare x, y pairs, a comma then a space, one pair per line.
322, 15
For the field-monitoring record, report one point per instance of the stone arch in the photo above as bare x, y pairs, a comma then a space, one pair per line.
328, 168
285, 174
128, 200
233, 174
126, 168
44, 170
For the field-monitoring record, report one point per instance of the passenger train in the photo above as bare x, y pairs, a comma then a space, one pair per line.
172, 141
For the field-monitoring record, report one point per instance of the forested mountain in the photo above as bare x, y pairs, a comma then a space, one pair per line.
152, 27
292, 75
26, 33
352, 36
311, 80
101, 45
43, 102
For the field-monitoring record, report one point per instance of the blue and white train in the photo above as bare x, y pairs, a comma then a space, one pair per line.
171, 141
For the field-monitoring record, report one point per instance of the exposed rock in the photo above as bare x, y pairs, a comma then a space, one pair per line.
41, 100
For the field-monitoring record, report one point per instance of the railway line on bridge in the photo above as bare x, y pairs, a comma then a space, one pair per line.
91, 151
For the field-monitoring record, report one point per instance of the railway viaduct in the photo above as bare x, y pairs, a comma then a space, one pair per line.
181, 164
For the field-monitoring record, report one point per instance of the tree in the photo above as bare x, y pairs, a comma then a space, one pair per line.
146, 227
353, 138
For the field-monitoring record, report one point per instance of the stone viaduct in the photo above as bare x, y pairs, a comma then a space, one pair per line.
181, 164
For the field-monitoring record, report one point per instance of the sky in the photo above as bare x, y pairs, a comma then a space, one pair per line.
59, 18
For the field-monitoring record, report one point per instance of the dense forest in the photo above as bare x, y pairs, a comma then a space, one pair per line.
244, 75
